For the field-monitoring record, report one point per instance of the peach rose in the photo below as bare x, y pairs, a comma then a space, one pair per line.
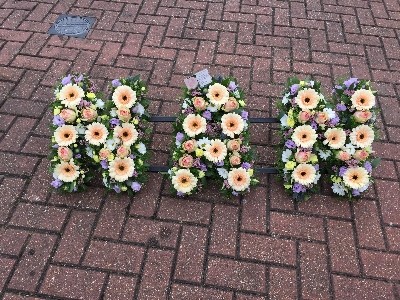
124, 114
235, 160
304, 116
234, 145
64, 153
186, 161
199, 103
89, 114
68, 115
302, 156
123, 151
362, 116
189, 145
361, 154
231, 105
104, 153
321, 117
343, 155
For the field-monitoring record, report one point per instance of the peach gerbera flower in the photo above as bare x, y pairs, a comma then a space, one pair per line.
121, 169
194, 125
232, 124
362, 136
71, 95
239, 179
307, 99
304, 136
215, 151
65, 135
356, 178
96, 134
184, 181
218, 94
363, 99
127, 133
124, 96
335, 138
66, 171
304, 174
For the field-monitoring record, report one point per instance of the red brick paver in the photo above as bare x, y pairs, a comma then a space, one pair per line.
99, 245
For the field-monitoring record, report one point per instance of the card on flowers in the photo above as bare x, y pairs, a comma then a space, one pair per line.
212, 139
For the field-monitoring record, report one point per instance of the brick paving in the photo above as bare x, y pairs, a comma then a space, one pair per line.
153, 246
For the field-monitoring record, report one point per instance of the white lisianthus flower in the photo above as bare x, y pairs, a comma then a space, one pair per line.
286, 154
284, 120
222, 172
285, 98
100, 103
212, 108
324, 154
349, 148
141, 148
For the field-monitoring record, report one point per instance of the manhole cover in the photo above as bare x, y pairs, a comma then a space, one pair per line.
75, 26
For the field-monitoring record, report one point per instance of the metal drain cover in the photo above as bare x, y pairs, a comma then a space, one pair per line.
75, 26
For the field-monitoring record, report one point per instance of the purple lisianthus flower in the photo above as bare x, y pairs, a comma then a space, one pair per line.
58, 121
179, 137
341, 107
207, 115
114, 121
314, 125
342, 170
203, 167
117, 189
294, 88
368, 166
350, 81
219, 163
136, 186
246, 165
56, 183
78, 155
316, 167
234, 193
79, 79
116, 83
180, 194
66, 80
245, 115
104, 164
299, 188
338, 87
334, 121
55, 146
290, 144
232, 86
135, 174
356, 192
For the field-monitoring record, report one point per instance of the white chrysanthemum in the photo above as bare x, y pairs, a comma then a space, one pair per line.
218, 94
203, 142
356, 178
286, 155
65, 135
362, 136
96, 134
71, 95
216, 151
335, 138
124, 96
339, 189
324, 154
141, 148
66, 171
232, 124
304, 174
127, 133
121, 169
184, 181
284, 121
304, 136
363, 99
349, 148
239, 179
194, 125
222, 172
330, 112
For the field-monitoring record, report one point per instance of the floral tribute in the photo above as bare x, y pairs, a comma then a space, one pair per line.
352, 161
212, 138
77, 105
118, 139
305, 116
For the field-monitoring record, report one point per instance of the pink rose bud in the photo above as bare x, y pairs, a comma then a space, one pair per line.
68, 115
362, 116
343, 155
304, 116
235, 160
189, 145
302, 156
231, 105
104, 153
234, 145
361, 154
321, 117
89, 114
124, 114
199, 103
123, 151
64, 153
186, 161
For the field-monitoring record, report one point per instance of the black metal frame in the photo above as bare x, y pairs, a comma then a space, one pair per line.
170, 119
